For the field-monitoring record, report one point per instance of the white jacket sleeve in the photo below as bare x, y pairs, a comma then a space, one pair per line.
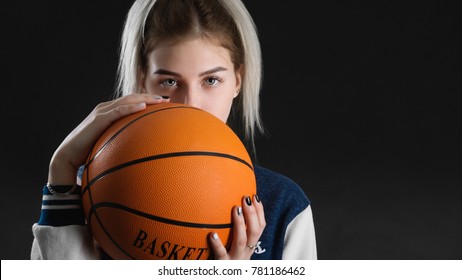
72, 242
300, 239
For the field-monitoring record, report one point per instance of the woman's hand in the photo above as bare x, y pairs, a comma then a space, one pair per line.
72, 152
249, 223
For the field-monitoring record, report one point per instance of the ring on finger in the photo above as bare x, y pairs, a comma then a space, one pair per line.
253, 247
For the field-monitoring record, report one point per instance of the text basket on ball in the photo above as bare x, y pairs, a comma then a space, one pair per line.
158, 181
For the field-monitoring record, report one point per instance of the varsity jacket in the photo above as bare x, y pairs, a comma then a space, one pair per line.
61, 232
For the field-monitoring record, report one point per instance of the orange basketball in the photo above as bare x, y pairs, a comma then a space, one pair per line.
158, 181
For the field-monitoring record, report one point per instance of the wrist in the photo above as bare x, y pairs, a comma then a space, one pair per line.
61, 172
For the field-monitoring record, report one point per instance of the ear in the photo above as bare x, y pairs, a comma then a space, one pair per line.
239, 75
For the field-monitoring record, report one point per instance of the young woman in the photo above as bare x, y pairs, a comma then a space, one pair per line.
204, 53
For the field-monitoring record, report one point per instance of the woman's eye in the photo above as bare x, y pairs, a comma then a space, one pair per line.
212, 81
169, 82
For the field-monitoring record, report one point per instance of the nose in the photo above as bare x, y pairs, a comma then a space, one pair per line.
191, 96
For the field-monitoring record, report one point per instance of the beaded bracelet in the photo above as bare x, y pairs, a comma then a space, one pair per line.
70, 191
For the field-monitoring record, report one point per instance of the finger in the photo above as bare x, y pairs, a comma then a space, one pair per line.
154, 99
260, 211
218, 250
239, 237
148, 98
131, 99
252, 222
112, 111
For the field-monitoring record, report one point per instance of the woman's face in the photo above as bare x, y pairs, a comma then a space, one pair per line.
194, 72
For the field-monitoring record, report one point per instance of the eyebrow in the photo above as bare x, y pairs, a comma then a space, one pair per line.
208, 72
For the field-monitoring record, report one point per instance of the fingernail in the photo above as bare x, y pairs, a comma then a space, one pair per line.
257, 198
165, 97
248, 200
157, 97
239, 211
215, 236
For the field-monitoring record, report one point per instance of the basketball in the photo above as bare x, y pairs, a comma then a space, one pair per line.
158, 181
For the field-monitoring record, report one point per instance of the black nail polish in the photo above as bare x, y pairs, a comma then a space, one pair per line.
257, 198
248, 200
165, 97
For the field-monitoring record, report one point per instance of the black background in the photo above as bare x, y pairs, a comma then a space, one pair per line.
361, 102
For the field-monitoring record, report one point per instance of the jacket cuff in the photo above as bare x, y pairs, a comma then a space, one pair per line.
61, 210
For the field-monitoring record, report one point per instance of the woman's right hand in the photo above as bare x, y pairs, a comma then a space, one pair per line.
72, 152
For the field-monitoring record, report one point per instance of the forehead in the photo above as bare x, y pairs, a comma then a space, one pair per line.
189, 53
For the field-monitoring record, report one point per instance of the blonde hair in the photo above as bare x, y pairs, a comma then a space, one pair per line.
226, 22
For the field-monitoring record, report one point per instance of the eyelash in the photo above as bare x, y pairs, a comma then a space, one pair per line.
215, 78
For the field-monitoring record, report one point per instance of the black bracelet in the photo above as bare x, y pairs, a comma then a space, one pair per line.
53, 192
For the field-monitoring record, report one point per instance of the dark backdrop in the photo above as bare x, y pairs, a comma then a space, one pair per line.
361, 103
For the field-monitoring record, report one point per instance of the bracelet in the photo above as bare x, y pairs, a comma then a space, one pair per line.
52, 191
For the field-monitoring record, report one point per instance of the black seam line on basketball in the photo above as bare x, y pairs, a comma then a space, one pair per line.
90, 215
157, 218
161, 156
131, 122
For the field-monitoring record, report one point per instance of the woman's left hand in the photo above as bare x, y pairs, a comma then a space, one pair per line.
249, 223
